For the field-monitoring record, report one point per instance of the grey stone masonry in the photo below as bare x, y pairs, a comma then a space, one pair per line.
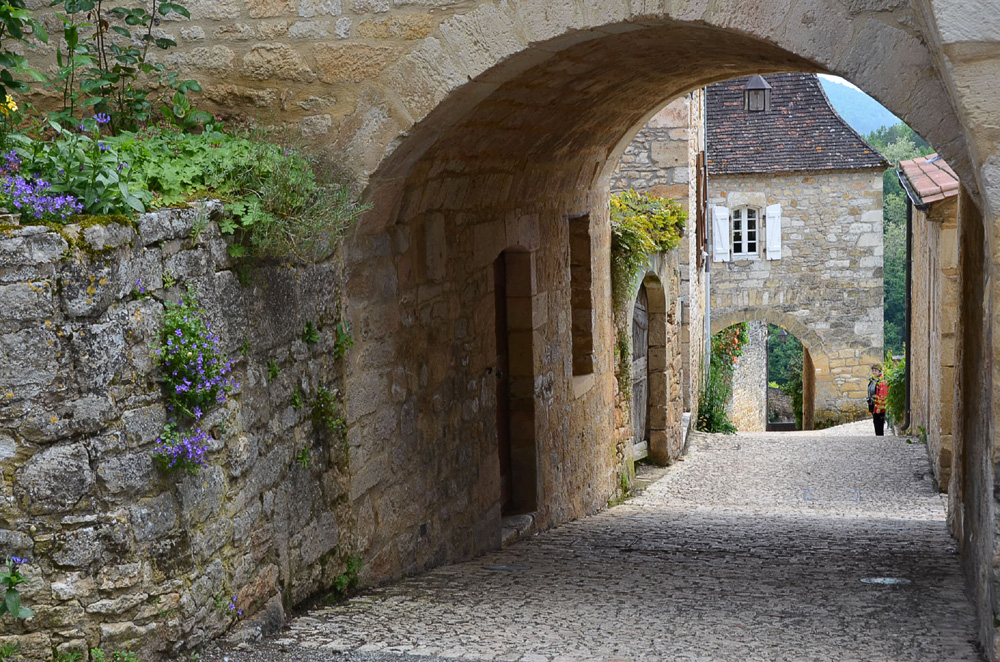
120, 554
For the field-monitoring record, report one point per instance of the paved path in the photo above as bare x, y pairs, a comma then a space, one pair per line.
753, 548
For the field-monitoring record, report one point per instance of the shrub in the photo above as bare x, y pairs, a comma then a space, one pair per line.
727, 346
11, 578
793, 389
895, 377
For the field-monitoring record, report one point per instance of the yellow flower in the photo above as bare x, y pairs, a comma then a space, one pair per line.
8, 106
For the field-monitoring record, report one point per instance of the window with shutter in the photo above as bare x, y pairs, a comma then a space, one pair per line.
746, 233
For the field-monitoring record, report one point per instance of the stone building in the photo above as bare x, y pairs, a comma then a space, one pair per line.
796, 216
662, 159
475, 128
932, 189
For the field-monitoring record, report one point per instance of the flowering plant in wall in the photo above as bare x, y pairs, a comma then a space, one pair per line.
11, 578
196, 377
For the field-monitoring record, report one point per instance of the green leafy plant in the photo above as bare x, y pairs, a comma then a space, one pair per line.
272, 369
297, 398
97, 655
8, 650
286, 204
70, 656
895, 376
727, 347
641, 224
82, 164
347, 582
17, 24
309, 334
793, 389
303, 457
11, 578
325, 411
343, 341
109, 74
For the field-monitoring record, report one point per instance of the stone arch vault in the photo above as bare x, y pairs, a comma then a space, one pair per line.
492, 132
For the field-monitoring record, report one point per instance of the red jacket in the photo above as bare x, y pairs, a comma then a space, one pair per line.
881, 396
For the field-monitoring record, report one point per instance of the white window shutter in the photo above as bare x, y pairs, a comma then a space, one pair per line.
773, 226
720, 234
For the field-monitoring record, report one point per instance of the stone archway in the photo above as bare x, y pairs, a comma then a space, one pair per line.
493, 133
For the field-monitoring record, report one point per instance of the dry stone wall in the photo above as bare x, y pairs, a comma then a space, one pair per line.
747, 408
120, 554
826, 289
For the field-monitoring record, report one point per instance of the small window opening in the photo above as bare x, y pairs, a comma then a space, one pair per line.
582, 297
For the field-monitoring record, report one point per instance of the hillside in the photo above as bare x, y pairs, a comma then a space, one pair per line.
858, 109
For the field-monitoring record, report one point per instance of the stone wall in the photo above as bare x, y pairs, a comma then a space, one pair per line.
827, 287
748, 407
121, 554
934, 309
656, 160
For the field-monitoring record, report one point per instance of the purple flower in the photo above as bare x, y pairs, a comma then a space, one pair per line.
102, 146
102, 118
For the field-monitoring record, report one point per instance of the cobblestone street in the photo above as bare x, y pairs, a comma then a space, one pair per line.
752, 548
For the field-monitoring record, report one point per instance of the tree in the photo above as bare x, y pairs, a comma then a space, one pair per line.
896, 143
782, 354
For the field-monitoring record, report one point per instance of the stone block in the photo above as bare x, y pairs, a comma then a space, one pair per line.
88, 288
154, 518
25, 302
112, 235
99, 354
55, 479
406, 27
79, 548
132, 472
352, 62
201, 494
275, 61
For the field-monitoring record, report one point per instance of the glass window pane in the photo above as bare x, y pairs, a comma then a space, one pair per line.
751, 247
751, 214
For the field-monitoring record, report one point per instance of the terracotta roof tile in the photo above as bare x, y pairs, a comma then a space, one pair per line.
802, 131
930, 178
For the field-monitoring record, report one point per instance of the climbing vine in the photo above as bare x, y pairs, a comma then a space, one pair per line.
641, 224
727, 347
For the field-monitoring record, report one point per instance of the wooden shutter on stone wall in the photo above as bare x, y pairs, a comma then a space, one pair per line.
772, 225
720, 234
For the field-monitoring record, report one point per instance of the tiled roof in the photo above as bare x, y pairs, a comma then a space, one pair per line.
930, 177
801, 131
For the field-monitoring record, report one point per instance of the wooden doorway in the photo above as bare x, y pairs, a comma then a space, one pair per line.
503, 378
640, 374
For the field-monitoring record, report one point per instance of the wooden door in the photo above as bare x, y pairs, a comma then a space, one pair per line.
502, 374
640, 372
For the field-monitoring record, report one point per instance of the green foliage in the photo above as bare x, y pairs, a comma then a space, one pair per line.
108, 69
72, 656
895, 377
641, 224
896, 143
310, 334
793, 389
727, 347
894, 274
347, 582
272, 369
82, 164
97, 655
297, 398
8, 650
783, 352
303, 457
279, 208
18, 25
343, 341
10, 579
325, 411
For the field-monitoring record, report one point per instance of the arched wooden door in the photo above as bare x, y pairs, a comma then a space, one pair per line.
640, 374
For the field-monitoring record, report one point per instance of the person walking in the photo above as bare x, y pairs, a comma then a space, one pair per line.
878, 397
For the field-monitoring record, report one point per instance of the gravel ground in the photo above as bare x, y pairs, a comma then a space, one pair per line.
753, 548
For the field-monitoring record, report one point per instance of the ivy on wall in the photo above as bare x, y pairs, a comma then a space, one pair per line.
641, 224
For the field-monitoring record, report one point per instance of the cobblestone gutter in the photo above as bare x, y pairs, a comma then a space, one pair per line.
120, 554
